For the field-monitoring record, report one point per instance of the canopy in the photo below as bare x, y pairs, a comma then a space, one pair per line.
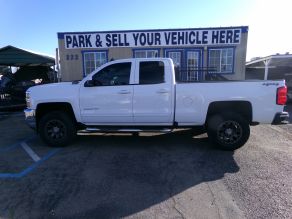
274, 60
276, 64
12, 56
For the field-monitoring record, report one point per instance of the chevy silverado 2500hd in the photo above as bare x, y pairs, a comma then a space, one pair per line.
135, 95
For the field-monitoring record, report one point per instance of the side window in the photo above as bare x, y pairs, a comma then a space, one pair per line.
92, 60
221, 60
115, 74
151, 72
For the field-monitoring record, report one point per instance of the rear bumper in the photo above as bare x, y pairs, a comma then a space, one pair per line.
30, 118
281, 118
289, 95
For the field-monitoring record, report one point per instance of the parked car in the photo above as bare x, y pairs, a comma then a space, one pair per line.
16, 84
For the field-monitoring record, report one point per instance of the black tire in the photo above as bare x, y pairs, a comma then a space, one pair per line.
57, 129
229, 131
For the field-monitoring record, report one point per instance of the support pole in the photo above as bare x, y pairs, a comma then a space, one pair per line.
266, 62
55, 76
58, 66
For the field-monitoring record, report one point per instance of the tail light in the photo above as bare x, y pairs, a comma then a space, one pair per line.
282, 95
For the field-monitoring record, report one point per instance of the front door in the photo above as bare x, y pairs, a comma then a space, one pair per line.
109, 101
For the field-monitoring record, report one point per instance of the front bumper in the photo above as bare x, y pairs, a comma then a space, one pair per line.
30, 118
281, 118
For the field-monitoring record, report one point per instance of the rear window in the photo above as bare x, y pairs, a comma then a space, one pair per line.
151, 72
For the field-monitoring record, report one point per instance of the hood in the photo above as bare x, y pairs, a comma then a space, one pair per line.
52, 86
55, 92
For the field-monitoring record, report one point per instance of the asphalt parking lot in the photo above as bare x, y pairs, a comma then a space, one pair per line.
176, 175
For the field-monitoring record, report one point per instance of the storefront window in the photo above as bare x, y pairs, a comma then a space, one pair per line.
176, 58
146, 53
92, 60
221, 60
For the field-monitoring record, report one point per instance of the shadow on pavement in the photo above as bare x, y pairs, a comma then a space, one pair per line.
113, 176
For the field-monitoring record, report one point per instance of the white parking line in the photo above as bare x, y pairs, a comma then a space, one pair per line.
30, 152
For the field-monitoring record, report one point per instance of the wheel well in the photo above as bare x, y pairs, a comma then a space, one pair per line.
44, 108
244, 108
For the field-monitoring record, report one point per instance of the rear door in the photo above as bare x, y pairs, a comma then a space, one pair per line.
153, 100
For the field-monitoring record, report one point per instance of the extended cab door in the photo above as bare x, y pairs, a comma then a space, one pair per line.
153, 101
109, 98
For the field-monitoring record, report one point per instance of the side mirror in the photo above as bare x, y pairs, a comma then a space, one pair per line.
89, 83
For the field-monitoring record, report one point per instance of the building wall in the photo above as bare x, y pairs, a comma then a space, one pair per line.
71, 63
240, 59
72, 59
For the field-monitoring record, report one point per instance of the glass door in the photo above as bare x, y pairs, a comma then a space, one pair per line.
187, 63
193, 64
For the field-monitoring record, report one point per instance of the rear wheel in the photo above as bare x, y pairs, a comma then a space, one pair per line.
229, 131
57, 129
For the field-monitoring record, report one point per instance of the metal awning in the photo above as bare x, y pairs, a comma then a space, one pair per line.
12, 56
269, 62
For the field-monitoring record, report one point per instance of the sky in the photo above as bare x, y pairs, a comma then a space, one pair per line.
33, 24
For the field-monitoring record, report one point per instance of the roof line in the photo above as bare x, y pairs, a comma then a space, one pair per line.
61, 34
15, 59
269, 57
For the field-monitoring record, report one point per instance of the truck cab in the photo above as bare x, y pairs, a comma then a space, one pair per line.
134, 91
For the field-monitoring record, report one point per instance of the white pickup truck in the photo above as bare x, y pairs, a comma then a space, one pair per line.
138, 95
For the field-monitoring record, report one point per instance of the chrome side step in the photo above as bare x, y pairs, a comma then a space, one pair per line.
125, 130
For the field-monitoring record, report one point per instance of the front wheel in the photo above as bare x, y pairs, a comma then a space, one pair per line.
229, 131
57, 129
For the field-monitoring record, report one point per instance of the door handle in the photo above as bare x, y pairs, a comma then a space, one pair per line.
124, 92
162, 91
